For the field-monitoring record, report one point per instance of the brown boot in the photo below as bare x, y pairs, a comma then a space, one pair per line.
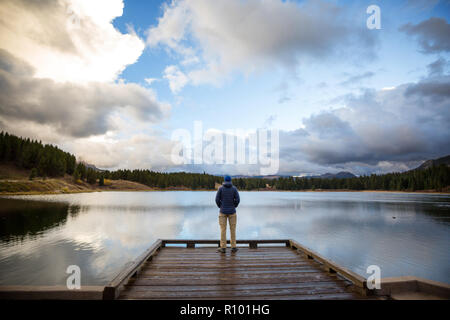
221, 250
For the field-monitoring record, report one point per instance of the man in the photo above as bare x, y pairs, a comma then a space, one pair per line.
227, 199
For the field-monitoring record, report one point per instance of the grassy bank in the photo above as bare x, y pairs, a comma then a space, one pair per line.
15, 181
64, 185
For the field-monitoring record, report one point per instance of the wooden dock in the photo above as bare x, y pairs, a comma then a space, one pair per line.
275, 272
261, 269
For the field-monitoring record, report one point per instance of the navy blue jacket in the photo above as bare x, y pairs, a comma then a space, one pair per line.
227, 198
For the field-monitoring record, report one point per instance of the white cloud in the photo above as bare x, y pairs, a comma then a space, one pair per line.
139, 151
149, 81
177, 79
250, 36
68, 40
171, 27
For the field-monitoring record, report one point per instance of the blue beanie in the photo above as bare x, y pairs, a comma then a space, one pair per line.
227, 178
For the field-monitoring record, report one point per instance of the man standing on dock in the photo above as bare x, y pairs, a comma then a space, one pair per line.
227, 199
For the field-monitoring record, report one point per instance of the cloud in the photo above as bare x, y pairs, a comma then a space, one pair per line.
68, 40
59, 66
68, 109
269, 121
139, 151
438, 67
433, 35
422, 4
251, 36
177, 79
375, 131
434, 89
356, 79
149, 81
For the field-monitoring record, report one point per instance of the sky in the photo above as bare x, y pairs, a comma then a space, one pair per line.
114, 81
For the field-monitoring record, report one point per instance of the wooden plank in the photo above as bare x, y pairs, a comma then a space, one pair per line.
217, 282
332, 296
237, 257
232, 255
226, 267
235, 280
186, 290
215, 271
224, 273
112, 290
357, 280
228, 253
227, 257
256, 286
335, 296
213, 248
143, 294
209, 241
222, 259
267, 296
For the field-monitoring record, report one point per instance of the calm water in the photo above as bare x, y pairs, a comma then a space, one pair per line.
41, 235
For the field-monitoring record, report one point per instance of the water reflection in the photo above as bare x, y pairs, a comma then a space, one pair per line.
31, 218
405, 234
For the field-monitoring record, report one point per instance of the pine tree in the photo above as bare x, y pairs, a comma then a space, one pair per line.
33, 174
101, 180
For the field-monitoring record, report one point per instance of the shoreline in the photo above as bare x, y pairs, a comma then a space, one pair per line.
15, 182
149, 189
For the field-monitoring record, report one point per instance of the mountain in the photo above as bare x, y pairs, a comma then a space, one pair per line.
435, 162
339, 175
271, 177
88, 165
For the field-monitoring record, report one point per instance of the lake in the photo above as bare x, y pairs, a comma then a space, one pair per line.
40, 236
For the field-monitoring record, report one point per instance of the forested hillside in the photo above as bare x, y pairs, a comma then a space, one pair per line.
50, 161
46, 160
433, 178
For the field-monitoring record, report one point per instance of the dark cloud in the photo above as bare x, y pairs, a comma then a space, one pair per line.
436, 88
433, 34
422, 4
382, 130
438, 67
70, 109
